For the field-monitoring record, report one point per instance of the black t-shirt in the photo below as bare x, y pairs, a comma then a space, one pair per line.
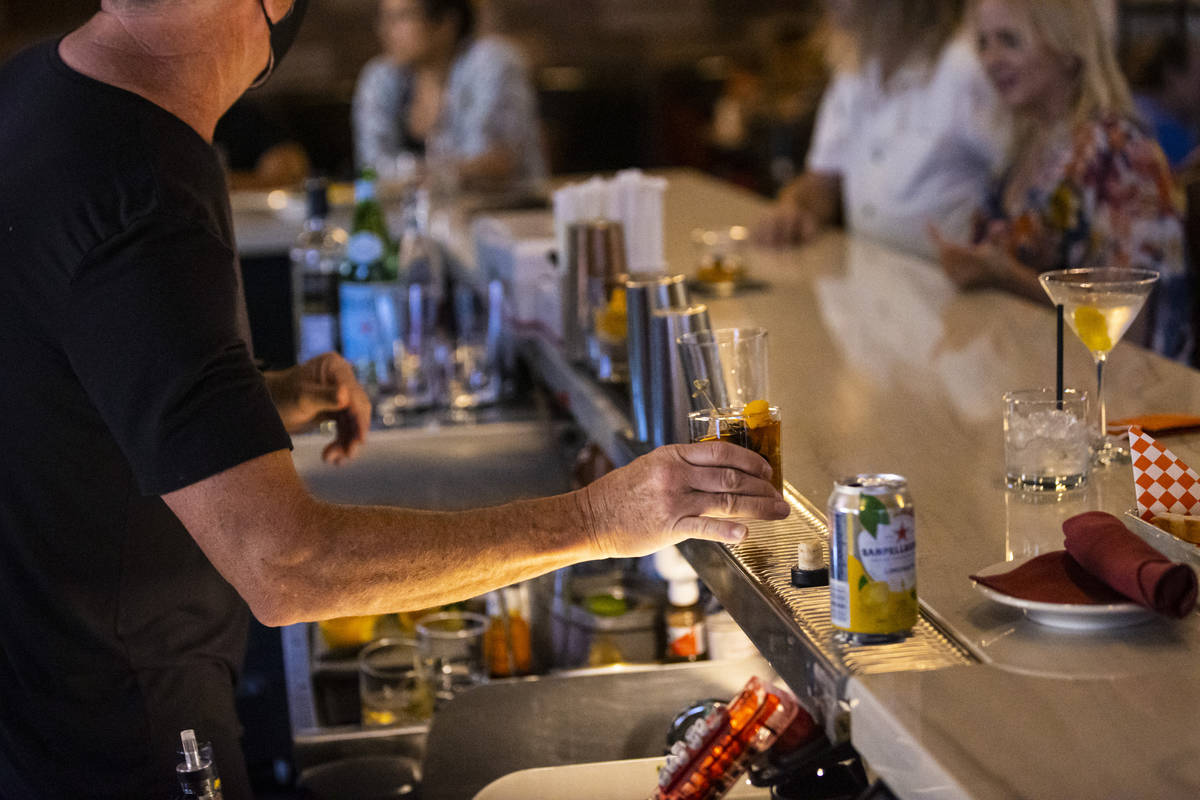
126, 374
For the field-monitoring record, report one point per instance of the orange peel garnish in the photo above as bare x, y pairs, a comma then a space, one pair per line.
757, 413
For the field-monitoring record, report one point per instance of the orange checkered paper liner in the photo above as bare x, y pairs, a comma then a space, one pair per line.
1161, 481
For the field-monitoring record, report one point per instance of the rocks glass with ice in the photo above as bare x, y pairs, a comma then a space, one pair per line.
1047, 444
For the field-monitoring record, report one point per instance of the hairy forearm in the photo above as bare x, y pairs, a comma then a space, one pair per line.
344, 560
295, 558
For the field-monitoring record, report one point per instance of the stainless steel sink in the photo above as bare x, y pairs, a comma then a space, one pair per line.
447, 467
522, 453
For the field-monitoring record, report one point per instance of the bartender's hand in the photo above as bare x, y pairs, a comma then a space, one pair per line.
678, 492
323, 388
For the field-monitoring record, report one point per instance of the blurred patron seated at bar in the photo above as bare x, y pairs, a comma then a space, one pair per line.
1166, 83
148, 497
1086, 186
442, 94
256, 149
908, 132
763, 119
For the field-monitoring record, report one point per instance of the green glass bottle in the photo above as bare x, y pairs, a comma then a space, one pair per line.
368, 276
370, 252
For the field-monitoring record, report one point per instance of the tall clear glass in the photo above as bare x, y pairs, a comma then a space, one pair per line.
1100, 304
726, 371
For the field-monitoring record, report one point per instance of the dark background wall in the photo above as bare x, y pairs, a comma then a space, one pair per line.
620, 82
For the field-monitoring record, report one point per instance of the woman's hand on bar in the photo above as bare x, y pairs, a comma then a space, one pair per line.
679, 492
984, 265
804, 207
787, 224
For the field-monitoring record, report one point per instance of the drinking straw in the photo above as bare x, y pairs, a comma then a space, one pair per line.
191, 750
1058, 385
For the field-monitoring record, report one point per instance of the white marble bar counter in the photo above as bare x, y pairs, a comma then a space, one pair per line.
880, 365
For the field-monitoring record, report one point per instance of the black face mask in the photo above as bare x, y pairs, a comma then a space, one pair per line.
283, 33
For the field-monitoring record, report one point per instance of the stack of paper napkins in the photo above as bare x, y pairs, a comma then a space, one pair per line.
631, 198
1167, 490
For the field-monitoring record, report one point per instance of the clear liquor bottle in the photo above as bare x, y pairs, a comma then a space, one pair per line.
316, 257
424, 311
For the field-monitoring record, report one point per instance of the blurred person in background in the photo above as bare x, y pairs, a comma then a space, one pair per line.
763, 119
739, 103
797, 72
440, 92
1086, 186
908, 132
1166, 84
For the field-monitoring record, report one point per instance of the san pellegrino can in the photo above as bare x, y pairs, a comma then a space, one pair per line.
872, 559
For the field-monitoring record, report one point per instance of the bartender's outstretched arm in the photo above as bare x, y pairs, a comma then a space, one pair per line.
295, 558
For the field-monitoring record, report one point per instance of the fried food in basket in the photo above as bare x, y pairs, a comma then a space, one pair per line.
1181, 526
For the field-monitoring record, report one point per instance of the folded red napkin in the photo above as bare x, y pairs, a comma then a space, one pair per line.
1107, 549
1053, 578
1155, 423
1104, 563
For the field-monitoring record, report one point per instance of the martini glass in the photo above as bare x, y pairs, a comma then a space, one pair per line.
1099, 305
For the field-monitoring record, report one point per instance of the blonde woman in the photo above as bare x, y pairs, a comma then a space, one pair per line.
909, 131
1086, 185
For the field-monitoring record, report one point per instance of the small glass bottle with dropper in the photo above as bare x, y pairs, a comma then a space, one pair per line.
687, 639
197, 772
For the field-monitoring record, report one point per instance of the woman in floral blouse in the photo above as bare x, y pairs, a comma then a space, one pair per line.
438, 91
1086, 186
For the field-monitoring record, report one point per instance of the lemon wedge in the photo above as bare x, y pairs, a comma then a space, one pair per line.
611, 320
1092, 329
757, 413
348, 631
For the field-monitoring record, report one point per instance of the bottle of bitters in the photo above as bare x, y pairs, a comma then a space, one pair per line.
687, 639
197, 772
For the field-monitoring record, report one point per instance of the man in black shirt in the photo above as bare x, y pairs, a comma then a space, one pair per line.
147, 492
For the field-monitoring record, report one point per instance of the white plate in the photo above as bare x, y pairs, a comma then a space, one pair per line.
1074, 616
604, 780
